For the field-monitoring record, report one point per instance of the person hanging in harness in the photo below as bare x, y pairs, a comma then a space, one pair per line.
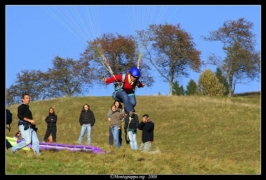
125, 85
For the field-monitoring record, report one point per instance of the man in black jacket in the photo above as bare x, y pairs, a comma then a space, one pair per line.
27, 127
147, 128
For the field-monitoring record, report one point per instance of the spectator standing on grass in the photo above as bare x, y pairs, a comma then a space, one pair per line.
86, 120
147, 128
51, 121
131, 125
120, 109
115, 120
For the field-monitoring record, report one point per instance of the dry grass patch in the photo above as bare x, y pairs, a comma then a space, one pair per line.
196, 135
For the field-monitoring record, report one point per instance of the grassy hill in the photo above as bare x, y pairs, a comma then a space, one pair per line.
196, 135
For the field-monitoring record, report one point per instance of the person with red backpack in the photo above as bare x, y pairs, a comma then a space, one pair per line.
125, 88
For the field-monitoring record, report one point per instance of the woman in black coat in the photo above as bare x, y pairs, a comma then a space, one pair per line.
51, 120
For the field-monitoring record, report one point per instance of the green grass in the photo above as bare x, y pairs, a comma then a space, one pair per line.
196, 135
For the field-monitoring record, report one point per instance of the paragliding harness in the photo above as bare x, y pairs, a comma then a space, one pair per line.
118, 86
27, 125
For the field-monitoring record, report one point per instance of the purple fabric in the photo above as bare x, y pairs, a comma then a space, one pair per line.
70, 147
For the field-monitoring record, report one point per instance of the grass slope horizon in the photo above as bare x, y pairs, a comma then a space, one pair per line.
196, 135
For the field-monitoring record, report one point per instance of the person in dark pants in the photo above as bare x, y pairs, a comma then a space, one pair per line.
120, 109
51, 120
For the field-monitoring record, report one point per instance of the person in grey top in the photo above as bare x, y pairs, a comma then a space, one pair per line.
115, 120
119, 106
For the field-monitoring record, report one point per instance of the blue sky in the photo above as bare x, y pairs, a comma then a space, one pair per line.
35, 34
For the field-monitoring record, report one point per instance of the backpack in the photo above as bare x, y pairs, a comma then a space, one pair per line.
118, 86
8, 119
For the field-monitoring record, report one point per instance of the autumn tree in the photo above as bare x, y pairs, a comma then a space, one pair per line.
209, 84
69, 77
191, 87
66, 78
242, 61
121, 53
171, 51
178, 89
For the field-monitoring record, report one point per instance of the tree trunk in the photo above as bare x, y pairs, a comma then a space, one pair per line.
171, 88
230, 82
